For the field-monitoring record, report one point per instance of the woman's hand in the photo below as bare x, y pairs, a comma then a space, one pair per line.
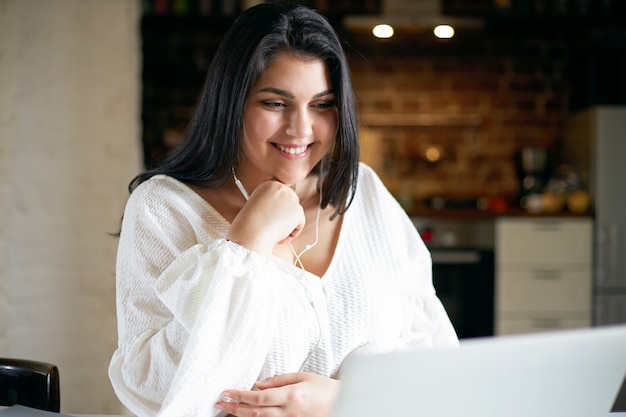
272, 215
299, 394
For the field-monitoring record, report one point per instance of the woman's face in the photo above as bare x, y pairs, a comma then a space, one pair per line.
290, 120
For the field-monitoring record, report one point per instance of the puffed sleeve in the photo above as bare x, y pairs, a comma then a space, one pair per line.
426, 321
189, 315
226, 303
423, 322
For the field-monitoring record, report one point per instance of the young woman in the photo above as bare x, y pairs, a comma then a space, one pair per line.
261, 253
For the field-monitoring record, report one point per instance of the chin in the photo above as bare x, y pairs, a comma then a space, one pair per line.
292, 179
292, 176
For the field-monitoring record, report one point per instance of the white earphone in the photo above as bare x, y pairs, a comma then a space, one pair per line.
298, 261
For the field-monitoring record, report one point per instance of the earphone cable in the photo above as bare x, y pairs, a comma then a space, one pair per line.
298, 261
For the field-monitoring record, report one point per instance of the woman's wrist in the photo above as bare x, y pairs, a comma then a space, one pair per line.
250, 241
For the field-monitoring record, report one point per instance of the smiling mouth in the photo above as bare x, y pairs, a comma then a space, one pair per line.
292, 150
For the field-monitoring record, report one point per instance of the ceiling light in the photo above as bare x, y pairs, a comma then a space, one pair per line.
383, 31
443, 31
409, 16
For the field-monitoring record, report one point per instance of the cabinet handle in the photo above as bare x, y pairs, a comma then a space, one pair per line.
546, 274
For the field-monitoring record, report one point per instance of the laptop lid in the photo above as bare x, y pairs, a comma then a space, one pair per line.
573, 373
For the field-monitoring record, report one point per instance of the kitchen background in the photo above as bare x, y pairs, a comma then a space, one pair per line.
466, 132
501, 84
92, 91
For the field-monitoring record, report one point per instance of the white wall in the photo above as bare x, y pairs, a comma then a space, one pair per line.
69, 144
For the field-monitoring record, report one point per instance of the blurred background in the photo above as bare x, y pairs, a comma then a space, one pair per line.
502, 139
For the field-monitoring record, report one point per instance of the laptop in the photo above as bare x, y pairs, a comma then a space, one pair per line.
568, 373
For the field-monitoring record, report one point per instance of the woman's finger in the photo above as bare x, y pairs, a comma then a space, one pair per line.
261, 398
282, 380
245, 410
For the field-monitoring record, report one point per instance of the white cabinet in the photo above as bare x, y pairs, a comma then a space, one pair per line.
543, 274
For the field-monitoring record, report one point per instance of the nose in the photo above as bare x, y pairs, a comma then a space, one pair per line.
300, 124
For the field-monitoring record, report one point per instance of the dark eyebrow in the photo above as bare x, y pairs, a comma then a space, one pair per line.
291, 96
324, 93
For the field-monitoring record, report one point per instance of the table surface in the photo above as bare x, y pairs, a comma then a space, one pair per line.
620, 414
27, 412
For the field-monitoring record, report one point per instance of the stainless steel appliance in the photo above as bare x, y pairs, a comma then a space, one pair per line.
533, 165
594, 144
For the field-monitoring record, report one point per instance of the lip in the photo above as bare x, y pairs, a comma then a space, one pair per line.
293, 151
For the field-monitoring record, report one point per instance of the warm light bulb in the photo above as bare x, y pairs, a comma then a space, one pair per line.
383, 31
433, 153
444, 31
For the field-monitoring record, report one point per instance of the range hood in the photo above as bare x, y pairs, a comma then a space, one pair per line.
411, 15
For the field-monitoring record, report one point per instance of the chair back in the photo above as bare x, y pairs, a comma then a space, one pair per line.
29, 383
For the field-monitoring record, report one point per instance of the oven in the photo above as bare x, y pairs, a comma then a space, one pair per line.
464, 281
462, 251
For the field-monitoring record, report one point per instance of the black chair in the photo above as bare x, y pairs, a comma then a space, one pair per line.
29, 383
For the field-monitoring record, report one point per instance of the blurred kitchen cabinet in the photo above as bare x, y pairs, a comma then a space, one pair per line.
543, 274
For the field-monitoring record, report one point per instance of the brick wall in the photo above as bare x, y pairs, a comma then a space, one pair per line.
516, 89
517, 84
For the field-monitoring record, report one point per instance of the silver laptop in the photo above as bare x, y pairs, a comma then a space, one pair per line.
572, 373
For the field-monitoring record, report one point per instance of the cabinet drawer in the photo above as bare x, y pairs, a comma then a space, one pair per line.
543, 291
506, 326
544, 240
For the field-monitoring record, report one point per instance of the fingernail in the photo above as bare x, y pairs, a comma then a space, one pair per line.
224, 397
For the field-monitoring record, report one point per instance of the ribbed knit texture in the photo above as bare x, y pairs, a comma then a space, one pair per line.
199, 314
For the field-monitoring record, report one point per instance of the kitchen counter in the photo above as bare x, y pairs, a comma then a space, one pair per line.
487, 214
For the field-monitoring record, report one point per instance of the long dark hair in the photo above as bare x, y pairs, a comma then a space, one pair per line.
212, 141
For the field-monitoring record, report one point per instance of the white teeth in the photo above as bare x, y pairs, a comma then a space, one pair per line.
293, 151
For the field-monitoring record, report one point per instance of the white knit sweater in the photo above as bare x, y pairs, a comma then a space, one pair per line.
198, 314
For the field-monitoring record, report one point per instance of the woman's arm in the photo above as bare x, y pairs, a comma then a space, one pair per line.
193, 319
